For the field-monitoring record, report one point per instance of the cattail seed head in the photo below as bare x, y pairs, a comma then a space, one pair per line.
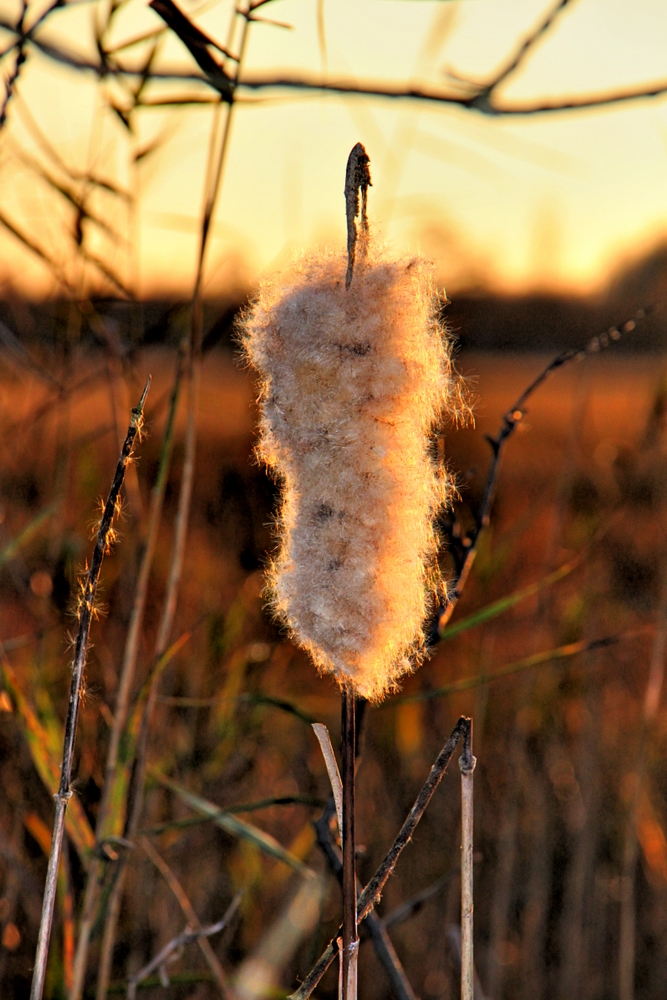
352, 384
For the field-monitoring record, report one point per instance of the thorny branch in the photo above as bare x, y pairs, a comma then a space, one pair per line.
372, 892
464, 548
86, 614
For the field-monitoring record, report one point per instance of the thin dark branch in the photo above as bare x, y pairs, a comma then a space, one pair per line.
12, 80
371, 894
415, 903
197, 44
474, 101
526, 46
86, 614
464, 549
188, 936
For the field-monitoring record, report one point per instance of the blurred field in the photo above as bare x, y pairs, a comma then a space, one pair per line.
567, 775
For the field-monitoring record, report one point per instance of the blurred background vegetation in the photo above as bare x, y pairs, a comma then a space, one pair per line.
547, 227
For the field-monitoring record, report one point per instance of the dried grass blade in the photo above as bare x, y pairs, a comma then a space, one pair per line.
324, 740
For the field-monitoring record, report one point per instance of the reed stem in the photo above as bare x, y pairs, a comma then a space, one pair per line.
86, 614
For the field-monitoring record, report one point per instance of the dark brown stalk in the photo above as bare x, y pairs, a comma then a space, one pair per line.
377, 931
371, 894
128, 669
86, 614
357, 181
350, 954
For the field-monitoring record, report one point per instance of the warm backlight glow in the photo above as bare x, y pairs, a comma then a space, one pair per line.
551, 200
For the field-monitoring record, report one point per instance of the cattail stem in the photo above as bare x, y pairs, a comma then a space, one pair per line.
86, 614
467, 765
350, 952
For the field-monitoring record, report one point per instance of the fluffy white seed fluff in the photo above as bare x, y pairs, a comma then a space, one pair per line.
352, 384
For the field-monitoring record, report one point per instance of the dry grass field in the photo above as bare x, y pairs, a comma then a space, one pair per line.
571, 810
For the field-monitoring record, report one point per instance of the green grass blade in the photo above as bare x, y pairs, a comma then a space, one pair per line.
282, 800
236, 827
536, 660
504, 603
40, 740
24, 536
257, 698
113, 822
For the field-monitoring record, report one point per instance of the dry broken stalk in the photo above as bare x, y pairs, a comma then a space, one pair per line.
86, 612
375, 927
371, 894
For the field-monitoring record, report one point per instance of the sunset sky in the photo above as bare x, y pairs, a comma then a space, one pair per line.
552, 200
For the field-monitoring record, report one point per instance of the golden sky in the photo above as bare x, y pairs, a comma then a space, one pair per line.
552, 200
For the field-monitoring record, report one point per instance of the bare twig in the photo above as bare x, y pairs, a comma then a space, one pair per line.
454, 942
304, 83
12, 80
128, 669
464, 549
193, 920
86, 614
185, 937
522, 51
97, 872
372, 892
